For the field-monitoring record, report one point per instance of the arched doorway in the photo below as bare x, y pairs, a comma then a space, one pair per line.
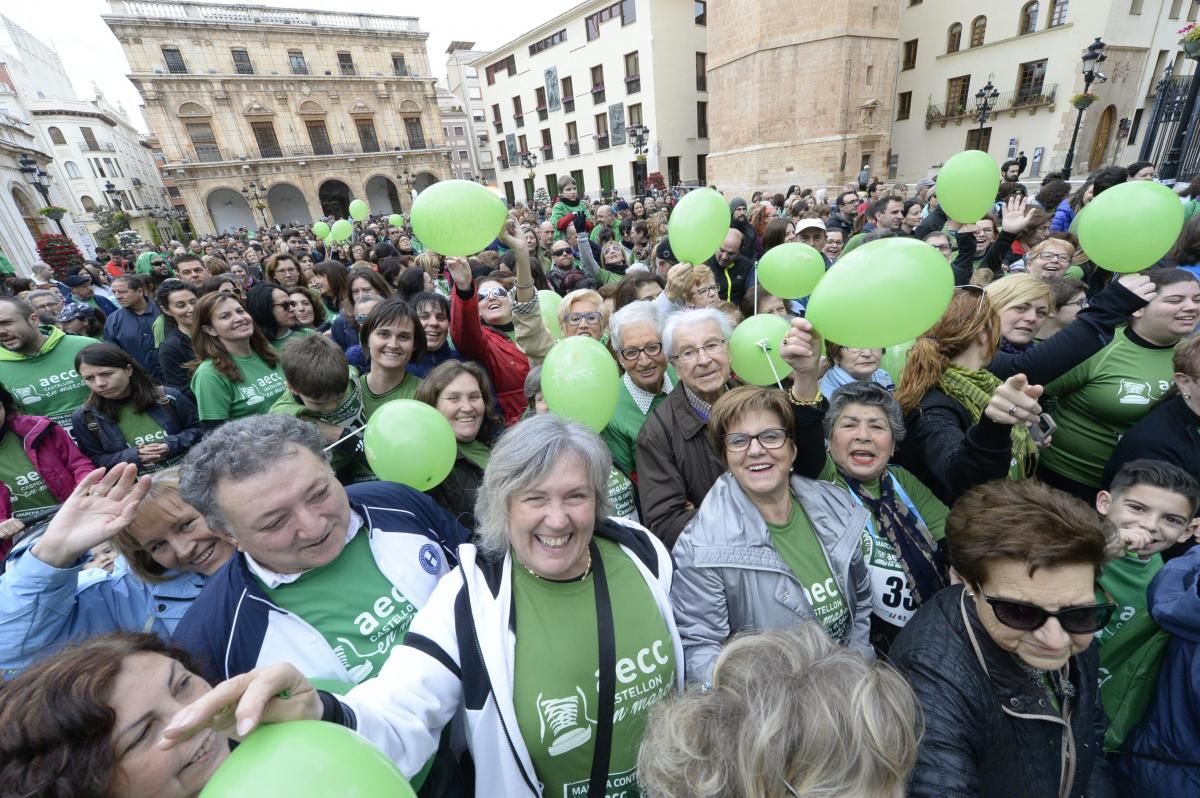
28, 210
1102, 140
229, 210
382, 196
423, 180
288, 205
334, 196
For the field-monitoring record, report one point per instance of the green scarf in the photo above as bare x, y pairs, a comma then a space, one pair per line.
974, 390
476, 452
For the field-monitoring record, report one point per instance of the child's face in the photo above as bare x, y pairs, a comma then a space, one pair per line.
1160, 515
326, 405
103, 556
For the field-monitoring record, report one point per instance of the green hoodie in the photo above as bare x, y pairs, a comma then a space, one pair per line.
47, 383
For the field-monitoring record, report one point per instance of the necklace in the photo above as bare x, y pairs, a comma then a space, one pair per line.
580, 578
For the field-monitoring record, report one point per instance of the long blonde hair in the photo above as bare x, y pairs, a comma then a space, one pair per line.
788, 709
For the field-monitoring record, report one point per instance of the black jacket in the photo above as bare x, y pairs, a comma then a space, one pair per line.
174, 353
456, 493
991, 730
1170, 432
749, 238
101, 439
738, 271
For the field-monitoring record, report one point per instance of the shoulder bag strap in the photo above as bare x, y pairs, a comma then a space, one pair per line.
601, 753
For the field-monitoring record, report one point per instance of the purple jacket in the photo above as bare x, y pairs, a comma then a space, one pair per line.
53, 454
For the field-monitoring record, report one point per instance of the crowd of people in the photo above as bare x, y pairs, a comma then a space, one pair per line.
965, 569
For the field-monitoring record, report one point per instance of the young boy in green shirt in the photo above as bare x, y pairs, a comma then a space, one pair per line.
323, 388
1151, 504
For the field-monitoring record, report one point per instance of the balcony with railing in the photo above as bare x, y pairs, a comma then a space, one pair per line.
547, 152
216, 13
543, 113
598, 93
97, 146
602, 142
572, 147
211, 153
568, 104
1009, 101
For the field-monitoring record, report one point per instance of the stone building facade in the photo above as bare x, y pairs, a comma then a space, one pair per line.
279, 115
799, 96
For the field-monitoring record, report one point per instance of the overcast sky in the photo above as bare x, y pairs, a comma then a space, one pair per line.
90, 52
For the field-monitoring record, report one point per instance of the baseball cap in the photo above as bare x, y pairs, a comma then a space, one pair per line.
663, 252
76, 310
76, 280
808, 224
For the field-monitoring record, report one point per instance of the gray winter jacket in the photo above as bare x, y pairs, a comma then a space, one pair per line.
730, 579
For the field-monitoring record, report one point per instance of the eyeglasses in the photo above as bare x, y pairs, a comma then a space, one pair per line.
288, 305
772, 438
1082, 303
558, 252
156, 263
1024, 617
941, 247
1052, 256
707, 290
632, 353
494, 293
690, 354
592, 317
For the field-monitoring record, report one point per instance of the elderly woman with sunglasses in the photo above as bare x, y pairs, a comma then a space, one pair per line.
1004, 664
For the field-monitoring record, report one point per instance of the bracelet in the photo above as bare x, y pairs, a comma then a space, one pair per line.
815, 401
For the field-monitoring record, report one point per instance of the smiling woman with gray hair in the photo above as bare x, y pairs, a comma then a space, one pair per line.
554, 635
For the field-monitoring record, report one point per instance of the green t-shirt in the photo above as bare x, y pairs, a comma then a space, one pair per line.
291, 335
47, 383
369, 617
891, 595
407, 389
28, 490
555, 689
797, 544
218, 399
1126, 579
1101, 398
349, 415
140, 429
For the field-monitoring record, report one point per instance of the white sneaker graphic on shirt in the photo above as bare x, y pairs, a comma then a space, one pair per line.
1134, 393
563, 717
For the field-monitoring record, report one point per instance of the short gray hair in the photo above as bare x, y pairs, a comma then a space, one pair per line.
237, 450
525, 456
633, 313
533, 383
865, 393
693, 318
38, 293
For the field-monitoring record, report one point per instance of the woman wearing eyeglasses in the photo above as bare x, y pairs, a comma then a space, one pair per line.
274, 311
1003, 664
582, 312
767, 549
1050, 259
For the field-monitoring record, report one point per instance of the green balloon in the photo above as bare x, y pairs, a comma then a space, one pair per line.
746, 349
320, 230
359, 210
580, 381
342, 230
1130, 226
548, 302
967, 184
396, 220
410, 442
306, 759
790, 271
457, 217
894, 358
698, 225
881, 294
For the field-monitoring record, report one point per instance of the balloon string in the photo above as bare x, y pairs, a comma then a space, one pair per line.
756, 294
352, 434
767, 353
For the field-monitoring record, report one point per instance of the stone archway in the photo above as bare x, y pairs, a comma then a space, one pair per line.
288, 205
423, 180
382, 196
28, 210
334, 196
229, 210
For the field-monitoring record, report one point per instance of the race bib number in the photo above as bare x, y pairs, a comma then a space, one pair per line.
891, 598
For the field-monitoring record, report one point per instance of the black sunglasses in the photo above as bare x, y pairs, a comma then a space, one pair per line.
1083, 620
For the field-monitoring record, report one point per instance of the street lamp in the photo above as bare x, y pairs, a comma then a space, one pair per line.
639, 137
114, 197
1093, 56
529, 159
40, 181
254, 197
985, 100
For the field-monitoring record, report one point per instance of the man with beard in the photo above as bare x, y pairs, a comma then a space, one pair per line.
37, 363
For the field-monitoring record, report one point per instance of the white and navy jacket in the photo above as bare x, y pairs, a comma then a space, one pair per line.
234, 627
460, 653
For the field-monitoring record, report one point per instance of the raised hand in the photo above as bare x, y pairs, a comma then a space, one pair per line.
801, 349
511, 237
102, 505
677, 280
460, 272
1014, 402
1139, 284
1016, 214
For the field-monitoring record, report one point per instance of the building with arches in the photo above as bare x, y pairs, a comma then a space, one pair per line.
1030, 50
273, 116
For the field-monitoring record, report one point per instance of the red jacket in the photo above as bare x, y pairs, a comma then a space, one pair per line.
53, 454
506, 364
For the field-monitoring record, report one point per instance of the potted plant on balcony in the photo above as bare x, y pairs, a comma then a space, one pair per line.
1189, 39
1083, 101
53, 212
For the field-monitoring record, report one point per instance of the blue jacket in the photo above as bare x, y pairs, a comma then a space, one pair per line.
101, 439
135, 334
234, 626
1169, 732
342, 333
1064, 214
42, 607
